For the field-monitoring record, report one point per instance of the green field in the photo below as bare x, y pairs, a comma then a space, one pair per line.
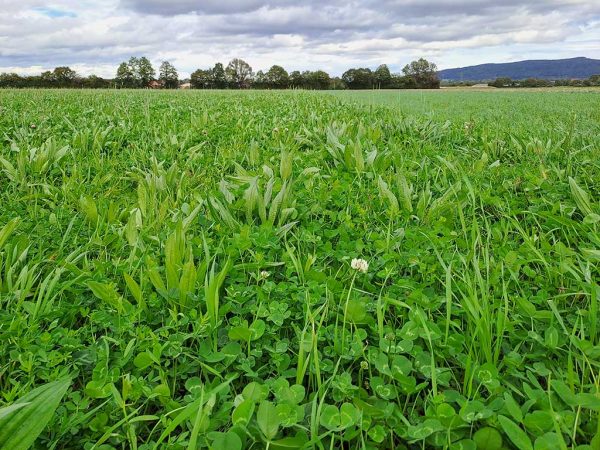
518, 109
180, 266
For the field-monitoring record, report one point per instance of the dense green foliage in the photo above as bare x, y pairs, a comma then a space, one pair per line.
506, 82
138, 73
185, 259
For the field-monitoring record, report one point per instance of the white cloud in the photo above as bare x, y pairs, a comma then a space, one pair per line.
93, 36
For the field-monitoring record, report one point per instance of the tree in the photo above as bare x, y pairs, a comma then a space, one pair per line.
361, 78
125, 77
501, 82
277, 78
12, 80
309, 80
399, 81
214, 78
382, 77
239, 73
137, 72
47, 79
536, 82
168, 75
63, 76
95, 82
336, 83
201, 79
423, 73
319, 79
219, 79
260, 80
133, 64
296, 79
145, 72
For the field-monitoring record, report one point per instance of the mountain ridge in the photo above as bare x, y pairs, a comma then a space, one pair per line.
578, 67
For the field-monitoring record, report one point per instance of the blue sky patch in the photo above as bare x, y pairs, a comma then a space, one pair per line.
55, 13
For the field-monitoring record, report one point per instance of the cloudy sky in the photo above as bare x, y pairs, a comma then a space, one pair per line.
93, 36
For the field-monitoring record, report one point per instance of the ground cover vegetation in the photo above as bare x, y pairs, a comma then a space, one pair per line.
284, 270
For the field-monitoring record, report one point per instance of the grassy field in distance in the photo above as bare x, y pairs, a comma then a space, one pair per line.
263, 269
514, 108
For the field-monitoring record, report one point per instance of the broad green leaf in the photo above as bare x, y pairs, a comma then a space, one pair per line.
88, 207
537, 422
227, 441
474, 410
466, 444
155, 277
289, 414
333, 418
255, 392
377, 433
267, 419
106, 293
10, 409
285, 166
349, 415
564, 392
488, 438
21, 426
591, 254
591, 218
548, 441
425, 429
10, 170
240, 333
257, 329
243, 413
512, 407
385, 192
515, 433
7, 230
588, 401
330, 417
551, 337
135, 290
296, 442
143, 360
581, 197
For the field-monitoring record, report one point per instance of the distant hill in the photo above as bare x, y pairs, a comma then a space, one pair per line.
554, 69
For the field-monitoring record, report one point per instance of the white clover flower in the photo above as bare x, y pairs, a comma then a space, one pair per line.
264, 275
360, 264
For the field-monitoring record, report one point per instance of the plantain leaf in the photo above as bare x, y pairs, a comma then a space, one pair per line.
135, 290
27, 417
107, 293
581, 197
7, 230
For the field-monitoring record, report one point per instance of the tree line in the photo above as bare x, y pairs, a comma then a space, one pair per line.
138, 73
60, 77
238, 74
505, 82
